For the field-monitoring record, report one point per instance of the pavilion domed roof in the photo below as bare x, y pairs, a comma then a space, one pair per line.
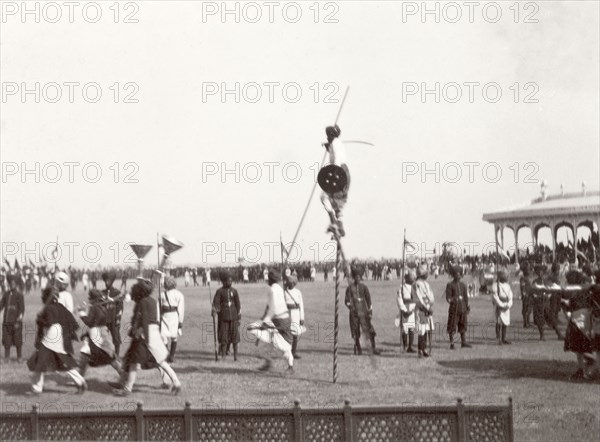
551, 206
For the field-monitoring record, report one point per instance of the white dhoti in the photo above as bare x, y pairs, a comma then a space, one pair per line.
408, 319
295, 326
169, 326
155, 344
267, 333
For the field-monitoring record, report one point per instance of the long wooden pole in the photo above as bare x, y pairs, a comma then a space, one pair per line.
402, 288
336, 325
159, 277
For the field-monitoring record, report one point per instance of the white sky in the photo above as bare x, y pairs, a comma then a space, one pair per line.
171, 132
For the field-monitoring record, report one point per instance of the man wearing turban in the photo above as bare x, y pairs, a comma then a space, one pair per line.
172, 310
358, 301
226, 305
424, 298
458, 307
334, 202
114, 308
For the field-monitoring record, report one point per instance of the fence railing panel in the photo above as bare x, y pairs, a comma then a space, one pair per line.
85, 427
15, 428
347, 424
442, 427
276, 427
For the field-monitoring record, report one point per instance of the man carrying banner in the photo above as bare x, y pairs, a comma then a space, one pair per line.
424, 298
407, 305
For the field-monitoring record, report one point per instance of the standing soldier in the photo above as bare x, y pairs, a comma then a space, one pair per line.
123, 280
525, 286
358, 301
406, 305
458, 308
94, 279
114, 308
226, 304
13, 304
295, 306
186, 277
502, 297
85, 279
171, 315
424, 298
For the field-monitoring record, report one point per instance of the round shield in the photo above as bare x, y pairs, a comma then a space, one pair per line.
332, 178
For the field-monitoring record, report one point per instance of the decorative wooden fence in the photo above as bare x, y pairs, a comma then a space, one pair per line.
351, 424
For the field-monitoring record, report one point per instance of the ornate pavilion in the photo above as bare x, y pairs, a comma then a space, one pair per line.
571, 210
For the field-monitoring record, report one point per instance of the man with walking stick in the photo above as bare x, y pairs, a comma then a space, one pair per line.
458, 307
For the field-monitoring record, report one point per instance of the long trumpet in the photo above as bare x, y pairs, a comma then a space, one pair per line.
170, 245
140, 251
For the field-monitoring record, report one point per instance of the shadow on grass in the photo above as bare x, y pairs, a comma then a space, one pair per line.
516, 368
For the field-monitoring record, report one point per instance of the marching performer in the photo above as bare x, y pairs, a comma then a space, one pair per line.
458, 307
334, 202
502, 298
56, 329
423, 296
13, 305
147, 349
114, 308
295, 306
98, 349
171, 315
595, 313
579, 329
226, 304
358, 301
275, 325
407, 305
542, 301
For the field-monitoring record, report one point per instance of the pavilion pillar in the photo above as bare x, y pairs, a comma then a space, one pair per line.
533, 235
516, 232
553, 234
575, 222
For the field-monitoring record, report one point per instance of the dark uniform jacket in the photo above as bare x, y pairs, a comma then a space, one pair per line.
456, 295
227, 304
13, 304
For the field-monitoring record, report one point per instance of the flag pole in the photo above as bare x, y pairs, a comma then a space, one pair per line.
159, 278
402, 284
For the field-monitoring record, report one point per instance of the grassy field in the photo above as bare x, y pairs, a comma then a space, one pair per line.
547, 406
